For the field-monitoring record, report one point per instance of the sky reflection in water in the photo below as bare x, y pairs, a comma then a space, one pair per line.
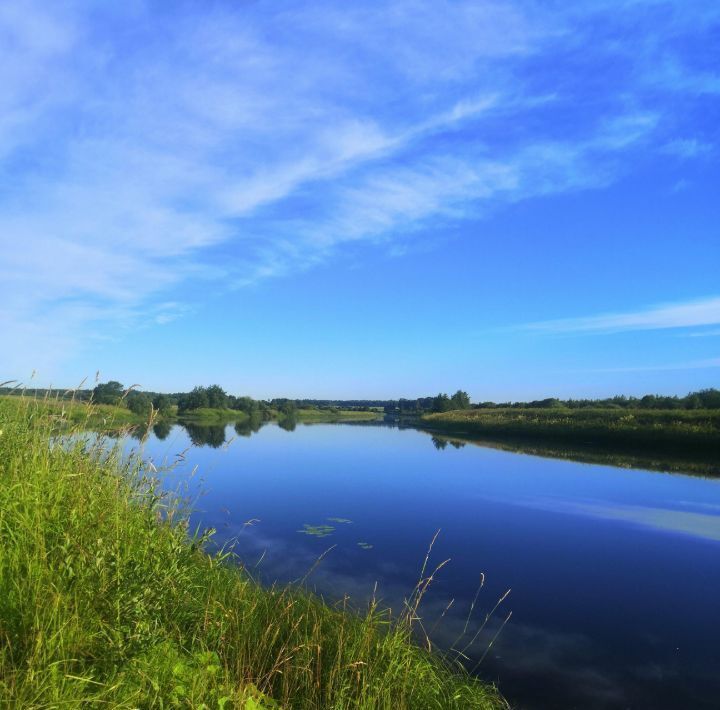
615, 573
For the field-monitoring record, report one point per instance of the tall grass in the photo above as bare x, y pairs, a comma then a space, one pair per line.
70, 412
106, 599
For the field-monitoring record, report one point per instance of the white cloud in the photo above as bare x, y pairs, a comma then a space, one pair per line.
704, 333
669, 316
672, 367
128, 156
687, 148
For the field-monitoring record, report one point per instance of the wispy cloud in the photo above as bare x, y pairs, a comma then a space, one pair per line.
687, 148
678, 315
670, 367
712, 333
274, 136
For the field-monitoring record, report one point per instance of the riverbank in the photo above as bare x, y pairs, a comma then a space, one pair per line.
334, 415
682, 432
104, 417
67, 412
308, 416
106, 599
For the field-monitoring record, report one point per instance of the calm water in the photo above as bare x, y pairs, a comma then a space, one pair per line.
615, 573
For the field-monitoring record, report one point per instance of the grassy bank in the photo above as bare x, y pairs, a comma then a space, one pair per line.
106, 600
330, 415
92, 416
676, 431
207, 415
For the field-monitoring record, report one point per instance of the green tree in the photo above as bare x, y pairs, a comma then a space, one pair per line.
441, 403
710, 398
288, 408
247, 405
108, 393
197, 399
162, 404
460, 400
217, 397
139, 403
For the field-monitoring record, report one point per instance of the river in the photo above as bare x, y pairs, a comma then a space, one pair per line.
614, 573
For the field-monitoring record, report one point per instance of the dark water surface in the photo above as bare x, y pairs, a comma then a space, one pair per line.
615, 573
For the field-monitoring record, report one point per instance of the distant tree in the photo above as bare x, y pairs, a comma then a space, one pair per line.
460, 400
217, 397
139, 403
246, 404
162, 404
710, 398
197, 399
693, 401
288, 408
647, 402
108, 393
441, 403
549, 403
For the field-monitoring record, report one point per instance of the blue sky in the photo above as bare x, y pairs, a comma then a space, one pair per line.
362, 199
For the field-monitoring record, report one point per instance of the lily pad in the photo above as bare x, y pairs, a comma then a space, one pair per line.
317, 530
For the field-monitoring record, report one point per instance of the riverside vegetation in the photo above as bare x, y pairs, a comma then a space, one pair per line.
688, 426
110, 405
106, 598
694, 432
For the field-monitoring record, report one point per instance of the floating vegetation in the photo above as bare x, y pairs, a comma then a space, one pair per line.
339, 520
317, 530
365, 545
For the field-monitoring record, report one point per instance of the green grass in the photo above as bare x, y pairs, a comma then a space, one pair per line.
327, 415
678, 431
212, 416
106, 600
100, 417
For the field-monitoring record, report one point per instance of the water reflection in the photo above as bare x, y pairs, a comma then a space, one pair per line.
250, 426
288, 423
162, 429
690, 463
439, 443
688, 522
599, 559
212, 435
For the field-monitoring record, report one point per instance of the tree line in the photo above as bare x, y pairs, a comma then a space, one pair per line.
215, 397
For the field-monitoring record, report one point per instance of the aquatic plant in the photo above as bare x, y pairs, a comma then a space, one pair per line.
317, 530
